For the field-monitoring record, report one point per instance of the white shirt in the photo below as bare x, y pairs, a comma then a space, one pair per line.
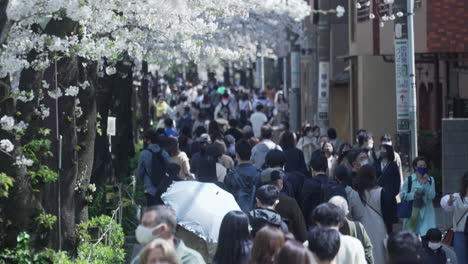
258, 119
351, 251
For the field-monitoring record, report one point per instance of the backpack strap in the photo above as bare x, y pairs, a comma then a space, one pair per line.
359, 232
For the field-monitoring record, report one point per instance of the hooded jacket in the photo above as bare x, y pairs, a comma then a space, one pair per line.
263, 216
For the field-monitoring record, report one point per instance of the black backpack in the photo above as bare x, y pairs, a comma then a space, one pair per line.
158, 167
330, 188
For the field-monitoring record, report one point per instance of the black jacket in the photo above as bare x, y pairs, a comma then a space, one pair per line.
262, 216
295, 161
317, 190
430, 256
289, 210
389, 177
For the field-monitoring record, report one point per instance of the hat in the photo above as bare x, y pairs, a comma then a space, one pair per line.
205, 138
269, 175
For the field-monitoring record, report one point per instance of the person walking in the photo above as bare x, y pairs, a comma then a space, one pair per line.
366, 143
329, 150
234, 242
458, 204
330, 216
242, 181
324, 253
258, 119
387, 140
333, 137
180, 158
268, 242
159, 250
354, 228
160, 222
267, 198
287, 207
388, 174
152, 166
281, 107
294, 252
260, 150
373, 213
420, 188
294, 157
309, 142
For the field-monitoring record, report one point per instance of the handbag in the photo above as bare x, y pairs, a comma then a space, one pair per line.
405, 208
448, 237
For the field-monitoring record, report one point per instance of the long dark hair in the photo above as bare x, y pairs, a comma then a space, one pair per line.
287, 140
233, 236
366, 179
342, 154
464, 186
390, 152
207, 166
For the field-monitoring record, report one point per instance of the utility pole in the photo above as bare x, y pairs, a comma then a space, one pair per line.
323, 77
407, 123
295, 92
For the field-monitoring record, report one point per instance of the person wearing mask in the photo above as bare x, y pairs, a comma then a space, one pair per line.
330, 216
295, 161
329, 150
318, 188
342, 176
274, 161
258, 119
159, 251
169, 128
388, 174
356, 158
294, 252
180, 158
242, 180
354, 228
213, 154
333, 137
200, 122
287, 206
324, 244
373, 211
404, 247
309, 142
342, 153
366, 143
421, 192
245, 104
161, 107
145, 166
458, 204
268, 242
262, 99
260, 150
234, 242
160, 222
267, 198
234, 130
432, 252
225, 159
387, 140
197, 148
185, 120
281, 107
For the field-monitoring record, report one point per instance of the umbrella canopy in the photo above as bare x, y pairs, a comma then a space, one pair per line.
200, 207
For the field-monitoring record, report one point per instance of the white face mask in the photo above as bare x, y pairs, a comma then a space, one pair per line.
433, 246
144, 235
389, 143
370, 146
364, 162
310, 134
329, 149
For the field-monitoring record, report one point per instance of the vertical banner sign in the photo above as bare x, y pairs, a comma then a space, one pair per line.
402, 78
295, 70
323, 90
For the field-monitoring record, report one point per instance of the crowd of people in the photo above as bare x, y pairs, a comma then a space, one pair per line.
305, 197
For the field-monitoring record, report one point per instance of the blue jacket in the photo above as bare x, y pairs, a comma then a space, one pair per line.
144, 170
241, 182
